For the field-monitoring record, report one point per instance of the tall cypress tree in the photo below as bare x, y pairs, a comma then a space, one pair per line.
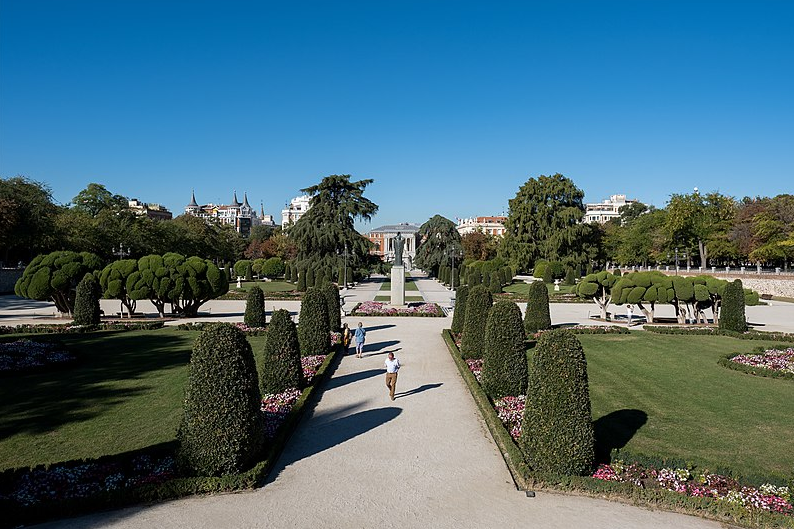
255, 308
478, 304
459, 314
732, 314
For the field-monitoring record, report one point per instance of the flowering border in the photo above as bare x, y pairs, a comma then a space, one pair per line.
728, 360
379, 308
68, 328
527, 479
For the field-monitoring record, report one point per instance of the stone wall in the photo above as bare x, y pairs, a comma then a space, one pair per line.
764, 285
8, 278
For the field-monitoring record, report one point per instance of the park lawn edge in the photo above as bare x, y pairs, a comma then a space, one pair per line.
525, 479
15, 516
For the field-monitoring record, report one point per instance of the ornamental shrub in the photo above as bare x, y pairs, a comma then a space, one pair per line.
557, 270
507, 275
288, 272
313, 328
459, 314
310, 278
548, 275
617, 272
474, 277
540, 268
496, 283
55, 276
280, 368
241, 268
557, 430
228, 271
301, 280
273, 267
255, 308
504, 370
486, 279
340, 276
249, 272
331, 294
570, 277
86, 304
222, 429
732, 316
478, 304
537, 317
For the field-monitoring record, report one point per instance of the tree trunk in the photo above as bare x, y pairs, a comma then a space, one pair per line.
648, 312
703, 254
603, 303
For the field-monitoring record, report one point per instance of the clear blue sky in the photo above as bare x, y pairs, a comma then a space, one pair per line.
449, 106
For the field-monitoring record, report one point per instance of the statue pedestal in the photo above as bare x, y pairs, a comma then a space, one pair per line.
398, 286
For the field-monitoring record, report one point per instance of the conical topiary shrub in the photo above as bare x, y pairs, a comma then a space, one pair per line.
227, 269
478, 304
222, 427
537, 317
249, 272
86, 303
313, 329
732, 313
557, 429
309, 277
570, 276
496, 283
301, 280
255, 308
504, 370
331, 293
280, 368
459, 314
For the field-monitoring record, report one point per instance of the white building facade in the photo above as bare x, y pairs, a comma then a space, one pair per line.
297, 207
602, 212
494, 225
238, 214
383, 240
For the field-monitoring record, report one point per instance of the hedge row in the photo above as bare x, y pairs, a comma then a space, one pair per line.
714, 331
68, 328
526, 478
13, 515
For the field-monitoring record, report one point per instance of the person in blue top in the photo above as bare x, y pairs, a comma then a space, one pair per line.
361, 335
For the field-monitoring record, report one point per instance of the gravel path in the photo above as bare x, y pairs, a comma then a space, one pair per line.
361, 460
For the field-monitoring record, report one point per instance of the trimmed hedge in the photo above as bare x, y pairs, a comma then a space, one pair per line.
732, 316
55, 276
477, 306
714, 331
222, 428
537, 317
280, 368
459, 314
496, 283
557, 429
301, 286
86, 303
255, 308
313, 328
331, 294
504, 369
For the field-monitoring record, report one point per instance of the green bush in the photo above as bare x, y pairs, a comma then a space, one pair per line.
537, 317
310, 278
504, 370
495, 285
313, 327
617, 272
273, 267
280, 368
478, 304
255, 308
301, 286
455, 278
548, 275
570, 277
55, 276
557, 430
732, 316
474, 277
331, 294
241, 268
222, 429
459, 314
557, 270
588, 269
486, 279
539, 271
249, 272
751, 297
86, 304
227, 269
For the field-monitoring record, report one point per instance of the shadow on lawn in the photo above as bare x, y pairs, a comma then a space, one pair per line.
615, 430
38, 403
328, 429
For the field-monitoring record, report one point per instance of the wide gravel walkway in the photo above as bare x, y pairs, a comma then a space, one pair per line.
358, 459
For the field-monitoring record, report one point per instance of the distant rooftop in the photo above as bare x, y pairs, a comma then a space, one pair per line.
405, 227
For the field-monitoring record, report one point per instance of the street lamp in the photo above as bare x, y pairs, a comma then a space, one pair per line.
121, 253
345, 271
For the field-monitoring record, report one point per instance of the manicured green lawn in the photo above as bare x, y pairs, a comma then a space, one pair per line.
125, 393
522, 289
266, 286
696, 410
409, 285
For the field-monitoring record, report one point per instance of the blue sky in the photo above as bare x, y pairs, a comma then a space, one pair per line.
448, 106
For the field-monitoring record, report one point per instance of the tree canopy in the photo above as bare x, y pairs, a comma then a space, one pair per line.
439, 239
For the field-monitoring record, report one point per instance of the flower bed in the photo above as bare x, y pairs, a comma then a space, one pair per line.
378, 308
277, 406
201, 325
716, 331
68, 328
771, 359
25, 355
475, 366
310, 364
336, 338
767, 497
511, 413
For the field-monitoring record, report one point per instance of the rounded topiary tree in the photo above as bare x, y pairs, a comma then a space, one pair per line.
459, 314
55, 276
486, 279
313, 328
241, 268
539, 271
478, 304
86, 303
732, 315
222, 427
280, 368
496, 283
557, 429
504, 369
331, 294
537, 317
255, 308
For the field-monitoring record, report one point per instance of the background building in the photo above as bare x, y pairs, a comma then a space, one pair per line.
238, 214
601, 212
293, 211
488, 225
152, 211
383, 239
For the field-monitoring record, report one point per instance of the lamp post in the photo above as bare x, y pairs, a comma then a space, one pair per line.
121, 255
345, 271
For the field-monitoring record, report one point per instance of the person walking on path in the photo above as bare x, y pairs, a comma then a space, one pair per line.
346, 336
361, 335
392, 367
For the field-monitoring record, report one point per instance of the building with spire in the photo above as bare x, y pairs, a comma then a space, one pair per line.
238, 214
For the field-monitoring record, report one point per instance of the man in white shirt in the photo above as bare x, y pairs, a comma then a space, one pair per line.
392, 367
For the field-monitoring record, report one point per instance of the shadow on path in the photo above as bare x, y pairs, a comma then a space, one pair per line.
328, 429
350, 378
423, 387
16, 303
615, 430
376, 327
379, 346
